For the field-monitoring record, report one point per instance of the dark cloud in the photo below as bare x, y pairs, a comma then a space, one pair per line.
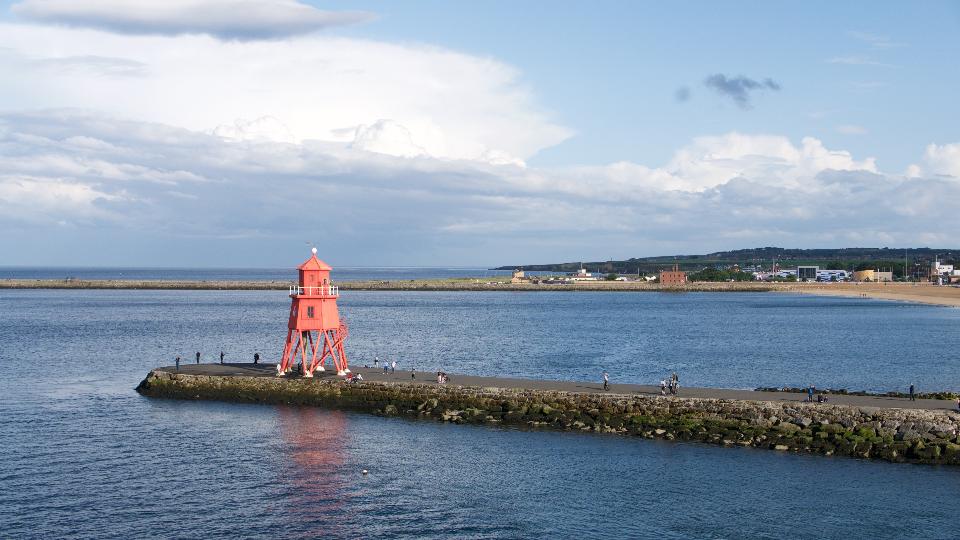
226, 19
739, 88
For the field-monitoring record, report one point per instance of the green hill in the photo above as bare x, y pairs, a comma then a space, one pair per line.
842, 258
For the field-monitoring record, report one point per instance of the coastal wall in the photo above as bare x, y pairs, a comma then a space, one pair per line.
485, 284
897, 435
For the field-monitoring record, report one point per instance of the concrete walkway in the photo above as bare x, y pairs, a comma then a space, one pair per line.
377, 375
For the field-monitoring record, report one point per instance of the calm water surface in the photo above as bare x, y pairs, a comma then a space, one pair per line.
343, 273
86, 457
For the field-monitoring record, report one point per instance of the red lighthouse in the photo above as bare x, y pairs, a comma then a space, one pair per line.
314, 325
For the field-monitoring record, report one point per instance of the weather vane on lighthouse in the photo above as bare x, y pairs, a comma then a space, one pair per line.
314, 328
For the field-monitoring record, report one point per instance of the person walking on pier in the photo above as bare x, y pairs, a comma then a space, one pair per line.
221, 357
663, 387
913, 396
198, 357
606, 381
178, 362
256, 358
393, 366
376, 362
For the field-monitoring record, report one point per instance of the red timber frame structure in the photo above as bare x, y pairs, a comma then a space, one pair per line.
314, 328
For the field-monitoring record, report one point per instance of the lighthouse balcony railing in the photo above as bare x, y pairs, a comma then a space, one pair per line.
328, 290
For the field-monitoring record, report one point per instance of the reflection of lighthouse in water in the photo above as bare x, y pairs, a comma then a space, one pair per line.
313, 470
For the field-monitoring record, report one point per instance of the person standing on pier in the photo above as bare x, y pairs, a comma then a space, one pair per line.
663, 387
393, 366
256, 358
606, 381
376, 362
913, 397
198, 357
178, 362
221, 357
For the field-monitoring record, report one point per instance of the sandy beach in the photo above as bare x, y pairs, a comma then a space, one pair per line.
922, 293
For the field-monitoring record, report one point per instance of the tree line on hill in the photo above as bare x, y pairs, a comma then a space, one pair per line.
888, 259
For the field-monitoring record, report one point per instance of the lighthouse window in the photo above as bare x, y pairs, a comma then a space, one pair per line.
309, 312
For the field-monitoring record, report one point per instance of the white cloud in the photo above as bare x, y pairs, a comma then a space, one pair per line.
450, 105
938, 160
389, 153
46, 201
856, 60
386, 137
156, 182
875, 41
851, 129
711, 161
265, 128
229, 19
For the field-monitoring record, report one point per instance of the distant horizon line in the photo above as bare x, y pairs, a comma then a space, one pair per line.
446, 266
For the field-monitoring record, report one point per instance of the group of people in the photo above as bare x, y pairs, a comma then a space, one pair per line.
811, 390
672, 385
388, 367
256, 358
441, 377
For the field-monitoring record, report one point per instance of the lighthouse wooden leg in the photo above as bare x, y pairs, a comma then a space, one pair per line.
325, 348
303, 354
330, 347
307, 366
284, 361
322, 347
343, 356
314, 345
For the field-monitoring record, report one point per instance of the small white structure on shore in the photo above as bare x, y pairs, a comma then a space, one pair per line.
582, 275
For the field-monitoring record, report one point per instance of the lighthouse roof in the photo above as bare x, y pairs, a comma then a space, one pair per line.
313, 263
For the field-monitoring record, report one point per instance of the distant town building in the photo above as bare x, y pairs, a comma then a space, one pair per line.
872, 275
673, 277
582, 275
943, 273
807, 273
832, 275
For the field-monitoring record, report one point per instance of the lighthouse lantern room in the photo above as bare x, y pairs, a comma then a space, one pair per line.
314, 329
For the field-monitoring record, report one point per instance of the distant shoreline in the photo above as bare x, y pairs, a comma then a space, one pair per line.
923, 293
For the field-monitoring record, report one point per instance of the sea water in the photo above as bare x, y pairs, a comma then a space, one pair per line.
84, 456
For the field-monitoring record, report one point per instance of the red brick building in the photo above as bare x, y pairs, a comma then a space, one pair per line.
673, 277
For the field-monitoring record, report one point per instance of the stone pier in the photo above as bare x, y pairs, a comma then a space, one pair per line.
856, 426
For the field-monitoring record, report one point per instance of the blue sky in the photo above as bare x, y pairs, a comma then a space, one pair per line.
611, 71
223, 132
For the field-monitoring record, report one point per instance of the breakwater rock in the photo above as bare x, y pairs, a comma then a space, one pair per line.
898, 435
